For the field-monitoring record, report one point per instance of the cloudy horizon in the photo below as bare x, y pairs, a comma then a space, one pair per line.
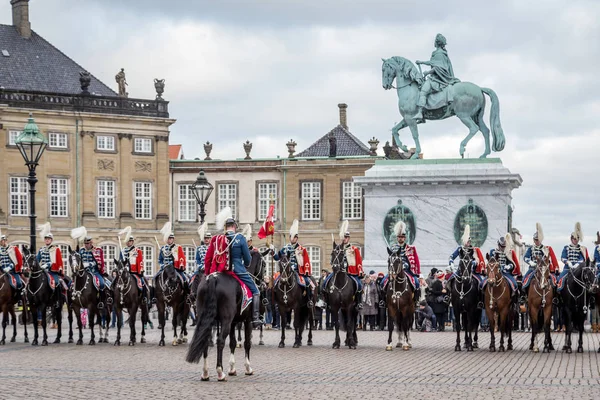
269, 71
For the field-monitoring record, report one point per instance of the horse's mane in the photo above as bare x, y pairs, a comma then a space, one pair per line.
405, 67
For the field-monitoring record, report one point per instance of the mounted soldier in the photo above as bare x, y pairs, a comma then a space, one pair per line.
92, 258
597, 256
135, 257
50, 259
441, 75
229, 252
572, 255
299, 260
205, 237
353, 260
173, 254
533, 253
509, 264
477, 266
11, 263
410, 259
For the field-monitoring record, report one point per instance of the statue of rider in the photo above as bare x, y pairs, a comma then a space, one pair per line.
93, 260
299, 260
441, 74
50, 259
11, 262
538, 250
477, 264
509, 264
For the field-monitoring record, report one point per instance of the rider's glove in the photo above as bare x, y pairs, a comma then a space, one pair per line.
6, 270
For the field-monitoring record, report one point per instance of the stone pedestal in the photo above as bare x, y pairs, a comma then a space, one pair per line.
436, 198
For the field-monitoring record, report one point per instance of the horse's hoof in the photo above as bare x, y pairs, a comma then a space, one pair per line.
335, 346
34, 343
309, 343
239, 345
79, 342
205, 378
12, 340
44, 342
580, 349
56, 341
501, 349
352, 347
143, 340
296, 345
457, 348
406, 347
537, 350
469, 348
281, 345
232, 373
545, 350
509, 347
179, 341
27, 340
550, 348
131, 343
598, 349
92, 342
249, 373
261, 343
492, 349
184, 340
565, 347
211, 344
569, 351
398, 345
2, 342
531, 346
388, 347
161, 343
175, 342
70, 340
475, 345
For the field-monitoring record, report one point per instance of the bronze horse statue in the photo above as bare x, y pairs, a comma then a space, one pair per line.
539, 301
169, 291
400, 303
219, 299
127, 295
290, 296
498, 302
338, 293
464, 295
84, 295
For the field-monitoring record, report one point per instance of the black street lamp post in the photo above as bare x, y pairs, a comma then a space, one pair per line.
202, 190
31, 143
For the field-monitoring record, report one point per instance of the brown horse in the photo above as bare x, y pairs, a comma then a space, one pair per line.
8, 298
498, 302
539, 300
399, 299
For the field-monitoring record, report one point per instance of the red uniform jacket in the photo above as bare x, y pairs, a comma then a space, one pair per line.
179, 261
480, 269
413, 259
304, 267
217, 255
513, 256
17, 258
56, 261
136, 261
354, 259
99, 257
553, 260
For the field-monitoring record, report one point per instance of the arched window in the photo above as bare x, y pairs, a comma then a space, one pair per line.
110, 253
190, 256
314, 253
148, 252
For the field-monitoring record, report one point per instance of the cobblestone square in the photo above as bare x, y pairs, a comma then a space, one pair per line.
431, 369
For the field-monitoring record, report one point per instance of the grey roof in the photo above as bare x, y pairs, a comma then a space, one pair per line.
35, 65
347, 145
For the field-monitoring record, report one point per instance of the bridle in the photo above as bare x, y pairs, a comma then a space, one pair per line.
397, 276
580, 282
494, 281
338, 264
121, 284
464, 276
286, 275
167, 289
34, 273
542, 268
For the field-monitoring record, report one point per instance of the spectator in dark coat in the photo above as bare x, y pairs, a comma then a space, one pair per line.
438, 303
370, 302
382, 314
425, 317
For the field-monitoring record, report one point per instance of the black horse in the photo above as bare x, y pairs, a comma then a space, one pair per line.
576, 295
84, 295
339, 294
257, 269
127, 295
289, 295
464, 291
169, 291
40, 296
219, 299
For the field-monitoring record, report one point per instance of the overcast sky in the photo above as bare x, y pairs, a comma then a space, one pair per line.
268, 71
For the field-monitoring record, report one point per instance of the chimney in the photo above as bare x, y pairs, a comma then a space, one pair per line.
343, 120
20, 14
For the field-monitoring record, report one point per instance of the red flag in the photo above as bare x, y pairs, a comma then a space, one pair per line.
268, 228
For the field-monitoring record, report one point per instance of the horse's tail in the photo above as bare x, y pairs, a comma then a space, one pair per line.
205, 320
497, 132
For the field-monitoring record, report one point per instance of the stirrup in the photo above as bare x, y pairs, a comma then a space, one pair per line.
310, 304
100, 305
555, 301
359, 306
480, 305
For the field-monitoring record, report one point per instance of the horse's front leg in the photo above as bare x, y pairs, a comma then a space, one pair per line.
580, 342
119, 312
415, 134
395, 135
4, 323
390, 331
336, 323
58, 314
457, 324
92, 320
232, 347
14, 324
282, 317
298, 326
174, 322
24, 313
36, 333
309, 342
45, 336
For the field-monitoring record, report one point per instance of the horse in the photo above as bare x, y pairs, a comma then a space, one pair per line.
539, 300
399, 300
339, 295
219, 299
256, 269
289, 295
464, 294
127, 295
41, 296
8, 298
169, 291
84, 295
468, 106
576, 295
498, 302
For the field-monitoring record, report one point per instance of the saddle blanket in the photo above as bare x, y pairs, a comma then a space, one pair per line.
411, 279
529, 275
99, 282
139, 282
354, 278
14, 281
246, 293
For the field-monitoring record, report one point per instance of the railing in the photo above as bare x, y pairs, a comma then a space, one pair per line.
85, 103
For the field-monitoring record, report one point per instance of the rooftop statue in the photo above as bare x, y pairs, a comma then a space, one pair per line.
438, 94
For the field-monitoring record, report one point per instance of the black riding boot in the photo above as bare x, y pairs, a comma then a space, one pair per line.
102, 301
256, 321
480, 305
358, 300
309, 293
523, 295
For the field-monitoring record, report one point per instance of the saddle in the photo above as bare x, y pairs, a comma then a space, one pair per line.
411, 280
14, 282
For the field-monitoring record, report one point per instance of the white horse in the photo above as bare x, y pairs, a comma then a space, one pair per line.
468, 105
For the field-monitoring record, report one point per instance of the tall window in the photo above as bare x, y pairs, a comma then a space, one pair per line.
110, 253
190, 256
351, 201
268, 259
227, 196
106, 199
314, 253
57, 140
18, 196
266, 192
311, 200
148, 252
59, 197
187, 203
143, 200
64, 252
105, 143
12, 137
142, 145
